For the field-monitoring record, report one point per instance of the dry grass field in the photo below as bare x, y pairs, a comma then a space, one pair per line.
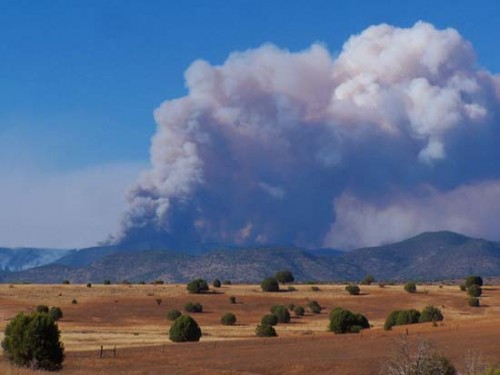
129, 318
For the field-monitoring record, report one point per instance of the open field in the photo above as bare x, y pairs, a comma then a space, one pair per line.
129, 318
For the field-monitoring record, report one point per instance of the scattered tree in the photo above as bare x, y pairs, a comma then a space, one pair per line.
462, 287
314, 306
367, 280
299, 311
66, 282
269, 320
284, 277
193, 307
353, 290
270, 285
265, 330
89, 285
197, 286
232, 300
473, 301
473, 280
55, 313
281, 312
401, 317
226, 282
315, 288
431, 314
107, 282
228, 319
185, 329
216, 283
33, 341
474, 290
410, 287
345, 321
42, 309
173, 314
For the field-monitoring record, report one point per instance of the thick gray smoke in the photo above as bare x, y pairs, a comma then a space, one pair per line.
396, 135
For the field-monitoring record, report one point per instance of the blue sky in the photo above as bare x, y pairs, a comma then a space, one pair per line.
80, 80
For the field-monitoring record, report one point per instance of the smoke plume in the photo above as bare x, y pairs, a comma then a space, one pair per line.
397, 134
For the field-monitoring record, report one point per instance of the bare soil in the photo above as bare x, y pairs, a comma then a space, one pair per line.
129, 319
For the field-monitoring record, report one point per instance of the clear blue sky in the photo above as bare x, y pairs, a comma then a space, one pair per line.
80, 79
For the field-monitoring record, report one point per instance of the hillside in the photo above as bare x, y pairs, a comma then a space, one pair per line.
428, 256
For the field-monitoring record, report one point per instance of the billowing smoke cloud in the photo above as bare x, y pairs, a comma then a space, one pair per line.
380, 142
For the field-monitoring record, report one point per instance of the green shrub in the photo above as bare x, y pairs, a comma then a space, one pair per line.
270, 285
291, 288
299, 311
228, 319
42, 309
89, 285
290, 306
74, 301
264, 330
66, 282
184, 329
232, 300
173, 314
216, 283
473, 280
410, 287
107, 282
314, 306
367, 280
269, 320
315, 288
462, 287
473, 301
226, 282
284, 277
197, 286
474, 291
431, 314
353, 290
55, 313
401, 317
193, 307
33, 341
281, 312
345, 321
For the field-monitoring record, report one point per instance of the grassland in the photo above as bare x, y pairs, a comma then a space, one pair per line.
128, 318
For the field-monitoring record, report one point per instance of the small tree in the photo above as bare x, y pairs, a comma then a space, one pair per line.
401, 317
197, 286
299, 311
474, 290
193, 307
270, 285
410, 287
431, 314
185, 329
284, 277
55, 313
473, 280
345, 321
281, 312
228, 319
232, 300
264, 330
314, 306
473, 302
269, 320
42, 308
367, 280
173, 314
33, 341
89, 285
107, 282
353, 290
216, 283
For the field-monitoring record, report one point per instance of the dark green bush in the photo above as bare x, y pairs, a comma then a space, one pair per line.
74, 301
291, 288
264, 330
299, 311
89, 285
345, 321
315, 288
290, 306
66, 282
184, 329
232, 300
226, 282
401, 317
42, 309
216, 283
269, 320
367, 280
55, 313
473, 301
33, 341
173, 314
473, 280
270, 285
107, 282
284, 277
462, 287
410, 287
474, 291
197, 286
281, 312
228, 319
314, 306
353, 290
431, 314
193, 307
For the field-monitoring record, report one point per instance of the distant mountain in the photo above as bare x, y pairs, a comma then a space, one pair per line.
18, 259
428, 256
